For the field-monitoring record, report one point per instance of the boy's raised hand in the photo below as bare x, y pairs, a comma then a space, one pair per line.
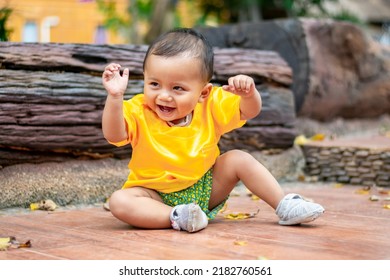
113, 82
242, 85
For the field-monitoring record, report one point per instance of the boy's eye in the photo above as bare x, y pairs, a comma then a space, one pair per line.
154, 84
178, 88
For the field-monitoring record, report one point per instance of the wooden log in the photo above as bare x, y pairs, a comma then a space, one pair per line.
56, 115
338, 70
76, 58
350, 73
285, 37
258, 138
263, 66
277, 110
91, 59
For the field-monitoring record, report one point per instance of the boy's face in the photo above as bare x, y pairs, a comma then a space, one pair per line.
173, 86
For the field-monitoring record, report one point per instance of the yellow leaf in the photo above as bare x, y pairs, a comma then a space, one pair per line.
365, 190
318, 137
240, 215
253, 196
386, 206
5, 242
301, 140
5, 239
241, 243
4, 247
338, 185
34, 206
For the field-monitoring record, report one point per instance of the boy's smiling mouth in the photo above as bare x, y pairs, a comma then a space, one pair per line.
165, 109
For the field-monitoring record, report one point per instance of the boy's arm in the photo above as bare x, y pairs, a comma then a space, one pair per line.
113, 121
244, 86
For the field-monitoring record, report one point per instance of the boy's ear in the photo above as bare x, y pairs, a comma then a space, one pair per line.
205, 92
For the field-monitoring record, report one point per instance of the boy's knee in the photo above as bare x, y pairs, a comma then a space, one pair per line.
238, 155
118, 202
112, 202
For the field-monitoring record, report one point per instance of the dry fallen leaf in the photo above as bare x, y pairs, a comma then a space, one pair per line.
386, 206
241, 243
374, 198
338, 185
5, 242
240, 215
318, 137
301, 178
46, 204
27, 244
252, 195
382, 191
365, 190
10, 241
34, 206
301, 140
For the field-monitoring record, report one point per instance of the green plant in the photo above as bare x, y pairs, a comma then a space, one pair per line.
5, 13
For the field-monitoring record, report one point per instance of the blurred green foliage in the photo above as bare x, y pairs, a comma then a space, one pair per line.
218, 11
230, 11
5, 13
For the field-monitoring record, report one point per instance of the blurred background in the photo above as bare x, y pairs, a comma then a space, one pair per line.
139, 21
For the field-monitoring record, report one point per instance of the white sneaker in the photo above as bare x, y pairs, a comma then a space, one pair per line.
293, 210
188, 217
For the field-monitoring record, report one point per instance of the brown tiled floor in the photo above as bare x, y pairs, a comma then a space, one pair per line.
353, 227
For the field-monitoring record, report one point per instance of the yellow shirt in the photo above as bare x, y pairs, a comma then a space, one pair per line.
170, 159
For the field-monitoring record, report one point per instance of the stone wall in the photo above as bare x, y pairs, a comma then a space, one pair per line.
359, 165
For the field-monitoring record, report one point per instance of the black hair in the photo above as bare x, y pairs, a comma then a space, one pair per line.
184, 40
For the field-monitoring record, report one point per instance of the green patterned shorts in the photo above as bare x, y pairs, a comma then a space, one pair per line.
199, 193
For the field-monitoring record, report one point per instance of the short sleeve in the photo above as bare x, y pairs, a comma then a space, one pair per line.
130, 110
225, 108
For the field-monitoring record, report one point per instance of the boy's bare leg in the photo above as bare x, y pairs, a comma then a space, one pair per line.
140, 207
237, 165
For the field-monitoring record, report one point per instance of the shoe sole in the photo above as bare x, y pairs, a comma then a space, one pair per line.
301, 220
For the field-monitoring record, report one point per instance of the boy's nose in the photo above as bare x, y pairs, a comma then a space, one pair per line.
165, 96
